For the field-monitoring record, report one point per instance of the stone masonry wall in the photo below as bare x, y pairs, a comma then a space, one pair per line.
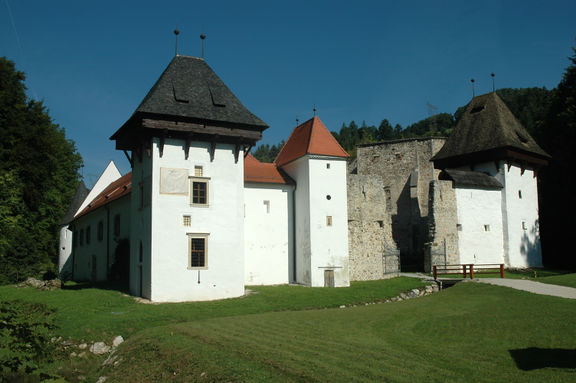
372, 251
442, 247
405, 171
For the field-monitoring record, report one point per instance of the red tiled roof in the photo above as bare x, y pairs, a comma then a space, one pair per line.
119, 188
256, 171
311, 137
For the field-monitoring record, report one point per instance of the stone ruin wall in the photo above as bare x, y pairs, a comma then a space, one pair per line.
405, 171
372, 251
443, 220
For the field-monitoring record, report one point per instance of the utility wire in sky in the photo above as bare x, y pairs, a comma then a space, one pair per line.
19, 45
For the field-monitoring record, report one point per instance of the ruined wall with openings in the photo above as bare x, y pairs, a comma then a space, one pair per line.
405, 170
442, 247
373, 253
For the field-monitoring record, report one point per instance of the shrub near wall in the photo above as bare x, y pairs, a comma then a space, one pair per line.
25, 332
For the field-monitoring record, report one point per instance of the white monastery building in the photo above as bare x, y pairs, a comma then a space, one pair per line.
199, 218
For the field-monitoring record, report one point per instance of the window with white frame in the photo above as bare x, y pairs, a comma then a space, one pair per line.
197, 251
200, 191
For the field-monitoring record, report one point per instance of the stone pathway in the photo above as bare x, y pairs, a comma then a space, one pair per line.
532, 286
518, 284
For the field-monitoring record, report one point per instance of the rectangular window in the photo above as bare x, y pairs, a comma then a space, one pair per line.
199, 192
328, 220
198, 251
328, 166
100, 231
117, 225
267, 207
486, 227
459, 227
198, 171
186, 220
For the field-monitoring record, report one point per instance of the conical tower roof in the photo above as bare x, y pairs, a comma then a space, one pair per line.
311, 137
79, 197
488, 131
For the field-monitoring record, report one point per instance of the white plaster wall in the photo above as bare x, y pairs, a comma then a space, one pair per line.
329, 244
109, 175
476, 208
171, 279
299, 171
268, 237
64, 252
99, 251
141, 226
320, 247
521, 220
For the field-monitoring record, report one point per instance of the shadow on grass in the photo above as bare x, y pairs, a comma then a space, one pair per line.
114, 285
534, 358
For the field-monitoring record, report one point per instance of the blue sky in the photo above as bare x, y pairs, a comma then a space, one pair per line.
93, 62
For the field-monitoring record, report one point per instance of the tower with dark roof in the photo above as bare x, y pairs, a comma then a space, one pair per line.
493, 164
186, 143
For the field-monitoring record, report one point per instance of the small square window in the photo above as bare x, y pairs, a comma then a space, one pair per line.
186, 220
486, 227
328, 220
520, 194
198, 171
459, 227
327, 166
267, 207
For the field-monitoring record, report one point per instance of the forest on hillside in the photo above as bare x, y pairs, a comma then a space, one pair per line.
548, 115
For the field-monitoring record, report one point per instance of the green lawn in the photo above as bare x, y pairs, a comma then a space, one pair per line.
562, 280
469, 332
96, 314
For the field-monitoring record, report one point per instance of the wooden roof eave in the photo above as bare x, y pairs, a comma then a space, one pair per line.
496, 154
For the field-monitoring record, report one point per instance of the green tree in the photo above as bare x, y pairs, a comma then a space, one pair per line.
38, 177
557, 135
385, 131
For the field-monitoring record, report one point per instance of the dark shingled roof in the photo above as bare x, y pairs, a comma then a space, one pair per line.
189, 90
488, 131
79, 197
466, 178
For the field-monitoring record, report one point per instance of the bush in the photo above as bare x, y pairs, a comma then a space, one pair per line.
25, 332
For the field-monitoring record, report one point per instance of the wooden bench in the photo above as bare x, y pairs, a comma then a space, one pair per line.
469, 269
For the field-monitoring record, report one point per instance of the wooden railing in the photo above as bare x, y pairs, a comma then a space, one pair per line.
469, 269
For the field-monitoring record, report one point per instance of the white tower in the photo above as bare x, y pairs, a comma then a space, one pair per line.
315, 160
188, 139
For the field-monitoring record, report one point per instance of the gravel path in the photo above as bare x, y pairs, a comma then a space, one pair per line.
518, 284
531, 286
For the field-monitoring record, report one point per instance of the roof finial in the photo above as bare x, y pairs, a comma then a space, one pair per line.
492, 75
202, 37
176, 33
314, 110
297, 121
472, 81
